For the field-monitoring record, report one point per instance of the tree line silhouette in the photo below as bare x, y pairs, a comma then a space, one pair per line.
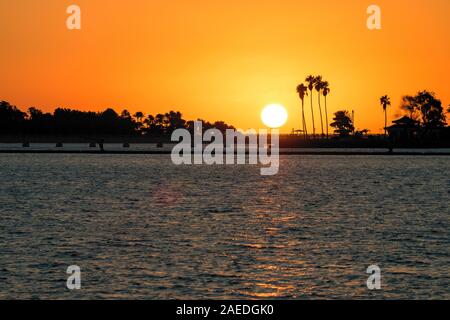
424, 108
74, 122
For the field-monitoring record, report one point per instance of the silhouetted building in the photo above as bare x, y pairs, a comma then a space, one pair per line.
405, 129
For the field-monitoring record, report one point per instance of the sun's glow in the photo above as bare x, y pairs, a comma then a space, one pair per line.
274, 116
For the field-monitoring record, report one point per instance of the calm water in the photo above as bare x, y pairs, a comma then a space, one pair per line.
140, 227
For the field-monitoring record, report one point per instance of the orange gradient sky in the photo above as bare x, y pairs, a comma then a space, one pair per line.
222, 60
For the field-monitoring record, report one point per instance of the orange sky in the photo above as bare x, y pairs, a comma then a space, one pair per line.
222, 60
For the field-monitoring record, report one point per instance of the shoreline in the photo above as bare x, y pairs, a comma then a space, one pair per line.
284, 142
281, 153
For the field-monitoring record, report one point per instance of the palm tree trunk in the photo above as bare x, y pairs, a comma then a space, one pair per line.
385, 122
326, 115
303, 120
320, 110
305, 129
305, 132
312, 114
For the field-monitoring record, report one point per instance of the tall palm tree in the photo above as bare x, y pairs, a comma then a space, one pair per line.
385, 101
318, 87
326, 92
302, 91
311, 80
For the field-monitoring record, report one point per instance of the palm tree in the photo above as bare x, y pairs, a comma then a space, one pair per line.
302, 91
326, 92
311, 81
318, 87
385, 102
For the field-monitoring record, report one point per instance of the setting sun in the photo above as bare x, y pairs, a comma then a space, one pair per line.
274, 116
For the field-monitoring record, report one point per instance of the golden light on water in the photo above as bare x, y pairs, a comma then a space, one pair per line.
274, 116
